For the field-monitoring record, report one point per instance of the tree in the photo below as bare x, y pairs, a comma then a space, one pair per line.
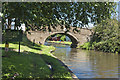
37, 15
106, 37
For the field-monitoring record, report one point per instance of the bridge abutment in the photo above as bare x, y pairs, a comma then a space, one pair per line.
73, 45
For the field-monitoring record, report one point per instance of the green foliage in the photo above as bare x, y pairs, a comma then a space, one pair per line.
63, 38
58, 35
106, 37
12, 35
88, 45
37, 15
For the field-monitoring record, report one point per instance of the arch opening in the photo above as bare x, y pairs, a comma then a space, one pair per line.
68, 36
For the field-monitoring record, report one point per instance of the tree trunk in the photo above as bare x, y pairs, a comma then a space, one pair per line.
15, 25
9, 23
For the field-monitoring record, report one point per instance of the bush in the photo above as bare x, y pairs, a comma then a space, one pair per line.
106, 37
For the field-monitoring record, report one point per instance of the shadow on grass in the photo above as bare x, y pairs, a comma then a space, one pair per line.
59, 69
26, 42
32, 65
29, 65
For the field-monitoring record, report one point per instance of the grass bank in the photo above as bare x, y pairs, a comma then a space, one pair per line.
61, 42
33, 62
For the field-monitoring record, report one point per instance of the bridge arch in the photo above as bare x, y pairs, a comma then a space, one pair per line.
74, 40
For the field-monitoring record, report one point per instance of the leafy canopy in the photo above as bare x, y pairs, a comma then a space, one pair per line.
37, 14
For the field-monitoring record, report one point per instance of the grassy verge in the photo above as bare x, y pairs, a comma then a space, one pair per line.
61, 42
87, 46
32, 62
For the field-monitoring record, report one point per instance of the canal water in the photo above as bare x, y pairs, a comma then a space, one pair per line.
88, 64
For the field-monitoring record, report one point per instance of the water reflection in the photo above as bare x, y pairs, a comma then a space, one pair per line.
89, 64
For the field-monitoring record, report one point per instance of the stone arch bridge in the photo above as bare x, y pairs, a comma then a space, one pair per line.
77, 38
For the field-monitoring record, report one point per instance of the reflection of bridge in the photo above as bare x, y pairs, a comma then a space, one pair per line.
77, 38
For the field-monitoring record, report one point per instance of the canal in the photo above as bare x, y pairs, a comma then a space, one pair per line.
88, 64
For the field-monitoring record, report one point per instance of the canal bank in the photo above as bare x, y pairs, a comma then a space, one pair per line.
33, 62
53, 66
74, 77
88, 64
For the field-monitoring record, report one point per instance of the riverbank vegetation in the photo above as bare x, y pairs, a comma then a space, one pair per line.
33, 62
106, 37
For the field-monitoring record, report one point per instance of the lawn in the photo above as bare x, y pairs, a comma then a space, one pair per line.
61, 42
33, 62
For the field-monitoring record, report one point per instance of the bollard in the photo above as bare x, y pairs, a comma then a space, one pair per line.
33, 42
6, 46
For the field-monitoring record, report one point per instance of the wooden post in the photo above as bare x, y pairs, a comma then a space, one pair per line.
19, 46
19, 42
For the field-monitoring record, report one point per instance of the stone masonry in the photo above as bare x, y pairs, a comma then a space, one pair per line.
77, 38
